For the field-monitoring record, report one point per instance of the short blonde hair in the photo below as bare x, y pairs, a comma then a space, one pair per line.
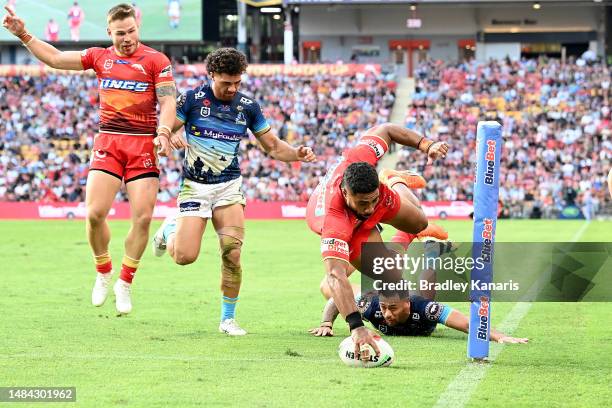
120, 12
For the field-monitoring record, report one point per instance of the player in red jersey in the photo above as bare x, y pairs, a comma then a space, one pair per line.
131, 78
349, 203
76, 16
52, 31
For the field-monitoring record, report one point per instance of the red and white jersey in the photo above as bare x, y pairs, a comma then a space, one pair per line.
127, 87
75, 15
338, 221
52, 31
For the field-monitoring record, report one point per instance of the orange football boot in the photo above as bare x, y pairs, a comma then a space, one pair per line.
411, 179
433, 231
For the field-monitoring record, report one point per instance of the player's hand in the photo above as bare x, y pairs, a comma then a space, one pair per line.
305, 154
436, 151
163, 145
12, 22
362, 337
177, 141
324, 330
514, 340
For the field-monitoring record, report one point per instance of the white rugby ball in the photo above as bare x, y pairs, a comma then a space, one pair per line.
346, 351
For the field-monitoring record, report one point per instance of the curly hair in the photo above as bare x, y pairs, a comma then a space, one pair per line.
360, 178
226, 61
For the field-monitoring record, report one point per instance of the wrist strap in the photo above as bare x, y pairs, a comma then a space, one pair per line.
26, 38
163, 130
354, 320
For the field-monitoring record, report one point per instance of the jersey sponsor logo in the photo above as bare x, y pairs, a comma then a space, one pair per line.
240, 119
189, 206
416, 316
205, 112
334, 245
180, 100
110, 83
377, 147
246, 101
433, 311
121, 62
214, 134
108, 64
139, 68
166, 72
199, 95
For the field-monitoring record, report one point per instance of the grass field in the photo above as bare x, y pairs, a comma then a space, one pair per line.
36, 14
168, 352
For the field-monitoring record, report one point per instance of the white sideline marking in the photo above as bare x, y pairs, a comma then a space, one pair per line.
460, 390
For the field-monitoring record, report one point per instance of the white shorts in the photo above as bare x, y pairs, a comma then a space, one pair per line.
199, 200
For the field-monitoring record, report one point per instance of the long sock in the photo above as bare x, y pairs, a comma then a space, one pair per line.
228, 307
103, 263
169, 229
128, 268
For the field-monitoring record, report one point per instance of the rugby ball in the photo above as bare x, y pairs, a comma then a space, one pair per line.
346, 351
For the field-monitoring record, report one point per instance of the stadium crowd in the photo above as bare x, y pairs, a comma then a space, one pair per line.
556, 126
556, 121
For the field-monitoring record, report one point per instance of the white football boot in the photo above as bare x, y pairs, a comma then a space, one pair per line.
123, 300
159, 243
231, 328
100, 289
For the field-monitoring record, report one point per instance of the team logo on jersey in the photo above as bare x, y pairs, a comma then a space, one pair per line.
416, 316
240, 108
166, 72
433, 311
245, 101
108, 64
199, 95
382, 328
109, 83
205, 112
240, 119
139, 68
363, 304
99, 154
378, 314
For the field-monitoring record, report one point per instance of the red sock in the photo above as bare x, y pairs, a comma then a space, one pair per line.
103, 263
128, 268
403, 238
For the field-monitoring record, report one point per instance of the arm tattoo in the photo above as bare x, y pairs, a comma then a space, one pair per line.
166, 90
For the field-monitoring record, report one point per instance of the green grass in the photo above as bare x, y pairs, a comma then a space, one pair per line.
36, 14
168, 351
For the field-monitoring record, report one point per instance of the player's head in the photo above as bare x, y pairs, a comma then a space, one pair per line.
225, 67
360, 188
123, 29
394, 305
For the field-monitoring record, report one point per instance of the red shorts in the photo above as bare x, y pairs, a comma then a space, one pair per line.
124, 156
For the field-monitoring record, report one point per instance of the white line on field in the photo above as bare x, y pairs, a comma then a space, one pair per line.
460, 390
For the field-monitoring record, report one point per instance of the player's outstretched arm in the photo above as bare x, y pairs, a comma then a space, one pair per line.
42, 50
283, 151
458, 321
390, 132
330, 312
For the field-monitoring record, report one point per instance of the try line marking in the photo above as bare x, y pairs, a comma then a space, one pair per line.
460, 390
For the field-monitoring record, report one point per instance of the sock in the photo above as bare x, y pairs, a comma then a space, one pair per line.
128, 268
228, 307
103, 263
403, 238
169, 229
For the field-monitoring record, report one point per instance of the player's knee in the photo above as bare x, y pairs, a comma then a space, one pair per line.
95, 217
142, 221
183, 257
230, 258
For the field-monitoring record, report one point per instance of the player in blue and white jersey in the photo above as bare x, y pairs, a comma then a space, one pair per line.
216, 117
